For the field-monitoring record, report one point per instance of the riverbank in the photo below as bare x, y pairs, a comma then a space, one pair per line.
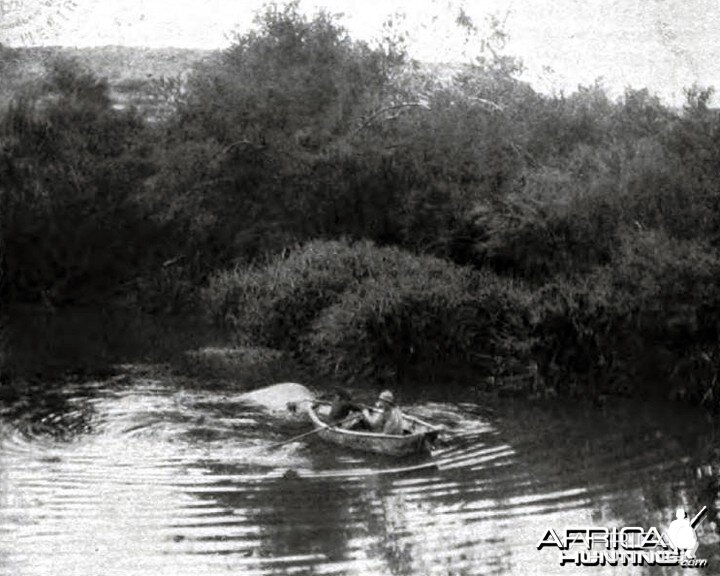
83, 342
89, 341
373, 315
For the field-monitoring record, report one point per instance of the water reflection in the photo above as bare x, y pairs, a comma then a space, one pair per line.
149, 476
296, 521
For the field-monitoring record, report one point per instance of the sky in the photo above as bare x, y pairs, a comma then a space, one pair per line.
664, 45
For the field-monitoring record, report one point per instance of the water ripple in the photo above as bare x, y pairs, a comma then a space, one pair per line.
143, 476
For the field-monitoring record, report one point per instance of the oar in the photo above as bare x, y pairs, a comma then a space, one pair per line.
699, 517
293, 405
315, 431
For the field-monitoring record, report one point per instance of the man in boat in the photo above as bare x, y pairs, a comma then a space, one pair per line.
388, 419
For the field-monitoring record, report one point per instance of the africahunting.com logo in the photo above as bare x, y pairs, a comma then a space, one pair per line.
629, 546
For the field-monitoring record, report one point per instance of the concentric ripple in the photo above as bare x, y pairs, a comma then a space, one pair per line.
142, 476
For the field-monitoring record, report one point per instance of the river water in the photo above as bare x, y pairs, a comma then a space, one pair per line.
148, 473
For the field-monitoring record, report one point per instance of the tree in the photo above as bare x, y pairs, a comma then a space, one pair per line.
272, 118
70, 165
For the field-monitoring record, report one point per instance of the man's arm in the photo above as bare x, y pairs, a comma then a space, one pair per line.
374, 422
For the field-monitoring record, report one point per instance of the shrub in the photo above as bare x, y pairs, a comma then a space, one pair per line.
672, 282
538, 239
70, 169
579, 335
360, 311
273, 304
635, 320
389, 329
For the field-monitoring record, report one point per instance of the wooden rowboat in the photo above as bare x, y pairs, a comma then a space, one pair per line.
417, 437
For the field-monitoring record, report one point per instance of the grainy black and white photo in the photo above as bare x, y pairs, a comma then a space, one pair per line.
340, 288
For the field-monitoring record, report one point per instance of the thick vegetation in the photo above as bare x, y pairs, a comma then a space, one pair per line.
361, 313
339, 201
69, 167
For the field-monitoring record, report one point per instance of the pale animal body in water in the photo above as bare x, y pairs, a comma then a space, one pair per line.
276, 398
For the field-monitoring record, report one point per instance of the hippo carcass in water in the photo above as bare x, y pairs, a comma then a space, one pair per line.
287, 401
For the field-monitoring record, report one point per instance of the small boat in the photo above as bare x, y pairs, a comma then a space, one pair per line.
417, 436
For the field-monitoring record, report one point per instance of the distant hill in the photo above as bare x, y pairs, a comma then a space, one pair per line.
132, 73
120, 63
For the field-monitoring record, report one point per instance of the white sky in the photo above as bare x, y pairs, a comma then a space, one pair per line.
664, 45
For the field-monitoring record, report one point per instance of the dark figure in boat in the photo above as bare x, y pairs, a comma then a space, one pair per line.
385, 419
341, 406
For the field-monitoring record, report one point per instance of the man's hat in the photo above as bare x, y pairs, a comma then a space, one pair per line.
387, 396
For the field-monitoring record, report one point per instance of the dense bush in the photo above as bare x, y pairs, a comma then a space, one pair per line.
634, 323
274, 304
69, 167
538, 239
277, 302
421, 324
361, 312
365, 313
